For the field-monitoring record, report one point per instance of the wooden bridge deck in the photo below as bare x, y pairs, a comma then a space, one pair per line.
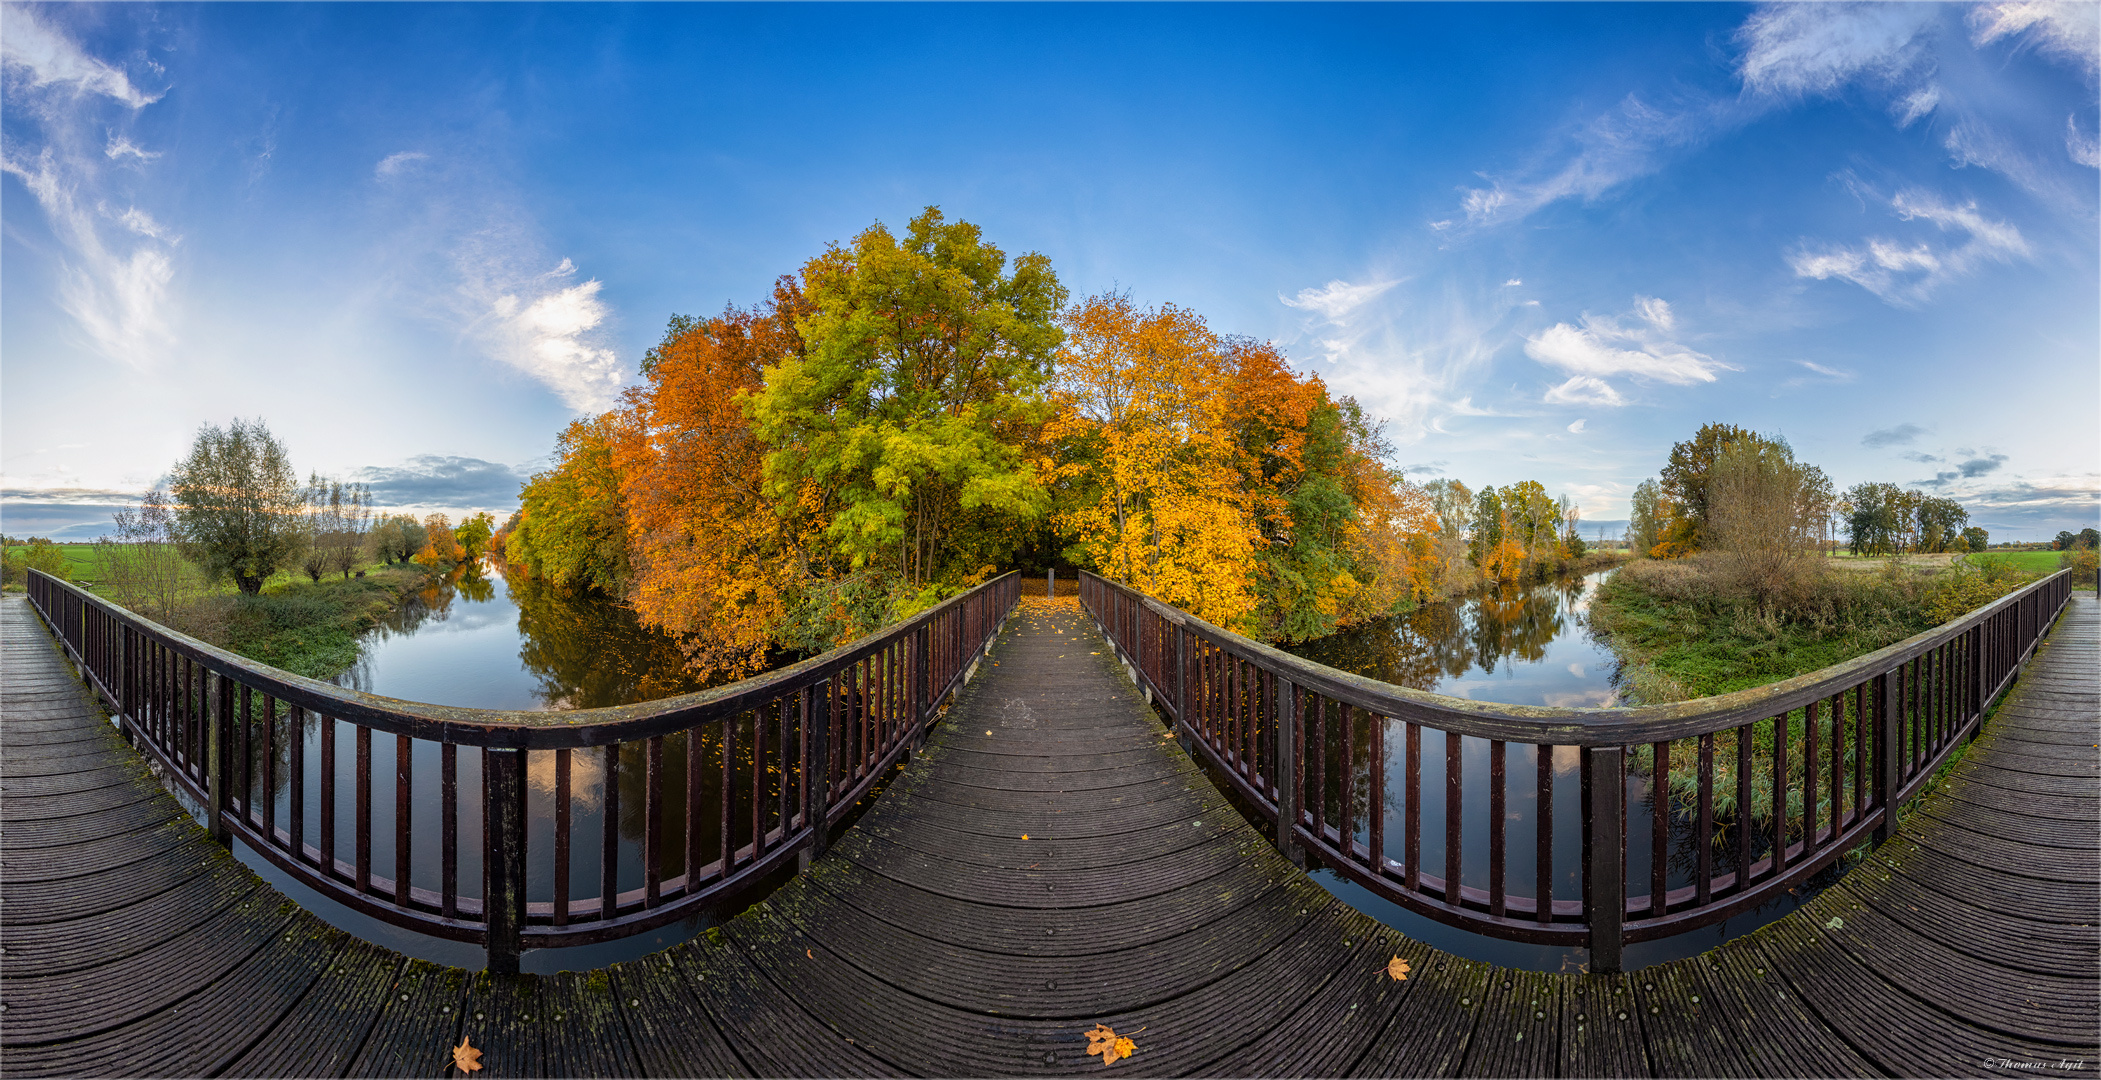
936, 939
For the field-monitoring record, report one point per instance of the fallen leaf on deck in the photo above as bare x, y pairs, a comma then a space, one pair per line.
1836, 923
1104, 1041
1024, 836
466, 1058
1398, 968
809, 954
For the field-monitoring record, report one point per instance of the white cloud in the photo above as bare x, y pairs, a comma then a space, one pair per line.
1603, 346
1337, 299
120, 148
2084, 149
548, 334
1792, 49
1512, 283
1905, 274
395, 164
1584, 390
2070, 31
1577, 427
33, 50
120, 298
1404, 356
1916, 104
114, 271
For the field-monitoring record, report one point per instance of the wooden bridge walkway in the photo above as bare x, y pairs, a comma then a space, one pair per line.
1049, 862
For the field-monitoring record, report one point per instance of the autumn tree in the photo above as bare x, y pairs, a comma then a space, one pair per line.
238, 504
713, 560
1977, 538
1685, 480
923, 370
473, 535
1153, 490
572, 528
397, 538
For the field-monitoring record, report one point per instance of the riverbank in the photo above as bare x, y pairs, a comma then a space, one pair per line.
1682, 630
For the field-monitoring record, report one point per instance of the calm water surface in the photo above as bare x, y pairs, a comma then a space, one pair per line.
1517, 645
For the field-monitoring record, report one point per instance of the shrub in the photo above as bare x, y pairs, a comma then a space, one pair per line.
1968, 586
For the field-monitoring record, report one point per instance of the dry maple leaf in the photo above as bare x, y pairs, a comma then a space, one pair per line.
466, 1058
1398, 968
1024, 836
1104, 1041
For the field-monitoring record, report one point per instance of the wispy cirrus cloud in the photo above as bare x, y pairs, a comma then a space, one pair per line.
1906, 272
116, 265
1790, 52
1643, 345
395, 164
1404, 356
1901, 435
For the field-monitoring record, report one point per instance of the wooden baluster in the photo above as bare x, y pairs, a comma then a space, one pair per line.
1412, 839
269, 792
295, 750
1811, 720
1703, 834
784, 761
758, 779
1453, 777
364, 808
449, 828
1543, 833
1659, 828
328, 794
1496, 856
609, 835
1314, 789
696, 747
1744, 819
729, 777
562, 815
1348, 777
1863, 729
653, 821
1780, 793
1375, 804
404, 787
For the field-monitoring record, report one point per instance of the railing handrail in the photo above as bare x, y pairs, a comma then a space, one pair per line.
1575, 725
518, 729
822, 733
1279, 729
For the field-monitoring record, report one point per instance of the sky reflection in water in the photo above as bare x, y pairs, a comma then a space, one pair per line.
1519, 645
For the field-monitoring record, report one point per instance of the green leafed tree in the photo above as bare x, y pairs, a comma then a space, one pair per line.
927, 357
239, 505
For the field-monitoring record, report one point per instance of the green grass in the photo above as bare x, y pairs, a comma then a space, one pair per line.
312, 628
2028, 562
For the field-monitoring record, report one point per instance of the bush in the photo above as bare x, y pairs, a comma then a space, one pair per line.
1968, 586
38, 554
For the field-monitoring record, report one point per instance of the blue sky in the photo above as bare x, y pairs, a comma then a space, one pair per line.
1544, 242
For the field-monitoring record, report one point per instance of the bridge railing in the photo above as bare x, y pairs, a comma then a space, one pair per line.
728, 784
1761, 788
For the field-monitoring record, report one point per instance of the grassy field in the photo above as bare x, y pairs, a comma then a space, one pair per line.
85, 564
2028, 562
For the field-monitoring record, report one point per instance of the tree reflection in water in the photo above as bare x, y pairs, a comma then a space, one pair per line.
588, 652
1510, 627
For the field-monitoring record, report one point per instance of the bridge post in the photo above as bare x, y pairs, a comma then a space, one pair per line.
1287, 773
503, 856
1606, 906
816, 773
